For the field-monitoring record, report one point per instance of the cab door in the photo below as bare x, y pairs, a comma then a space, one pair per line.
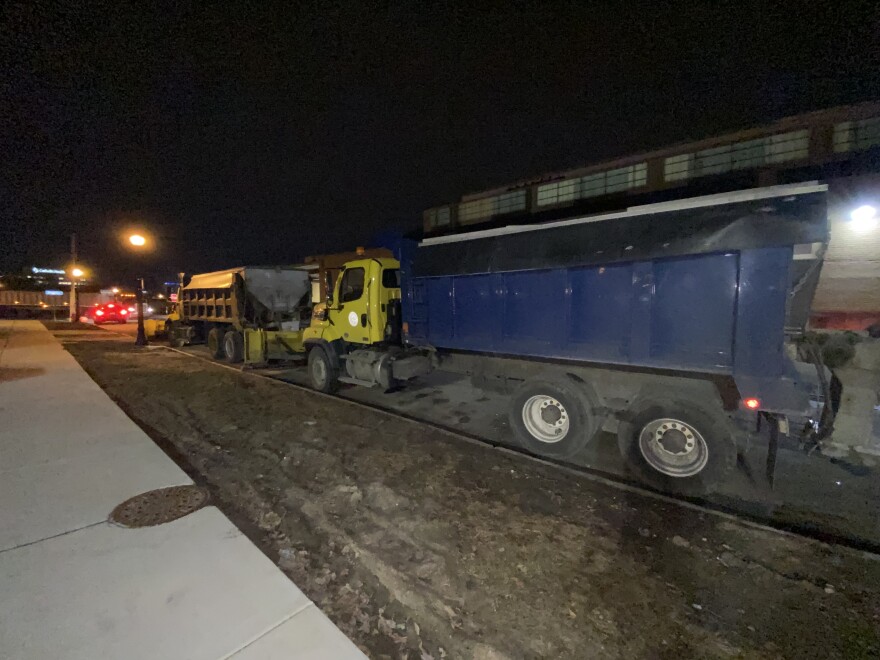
351, 308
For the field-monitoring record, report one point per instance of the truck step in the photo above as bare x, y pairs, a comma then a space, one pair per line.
356, 381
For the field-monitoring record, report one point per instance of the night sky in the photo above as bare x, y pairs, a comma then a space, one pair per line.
263, 133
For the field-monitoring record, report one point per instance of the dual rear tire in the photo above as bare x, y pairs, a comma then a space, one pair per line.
226, 344
677, 446
554, 419
668, 444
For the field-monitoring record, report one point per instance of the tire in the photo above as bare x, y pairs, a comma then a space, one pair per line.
215, 342
323, 375
676, 446
173, 334
233, 347
553, 419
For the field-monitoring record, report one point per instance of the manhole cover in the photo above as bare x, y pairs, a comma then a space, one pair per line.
159, 506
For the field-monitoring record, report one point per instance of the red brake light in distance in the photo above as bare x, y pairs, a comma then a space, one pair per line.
111, 305
99, 312
752, 403
123, 311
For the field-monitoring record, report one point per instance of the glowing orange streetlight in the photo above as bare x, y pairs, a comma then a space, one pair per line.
139, 241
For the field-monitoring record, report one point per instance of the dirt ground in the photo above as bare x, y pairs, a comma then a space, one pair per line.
420, 544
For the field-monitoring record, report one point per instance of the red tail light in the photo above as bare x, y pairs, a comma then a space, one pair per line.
99, 312
752, 403
111, 305
123, 311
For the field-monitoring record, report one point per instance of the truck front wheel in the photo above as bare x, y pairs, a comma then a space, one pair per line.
552, 419
676, 446
215, 342
322, 373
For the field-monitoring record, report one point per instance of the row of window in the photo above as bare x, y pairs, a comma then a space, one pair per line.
487, 207
857, 135
794, 145
786, 147
593, 185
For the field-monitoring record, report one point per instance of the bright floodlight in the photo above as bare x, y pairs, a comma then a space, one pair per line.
77, 272
863, 219
115, 289
137, 240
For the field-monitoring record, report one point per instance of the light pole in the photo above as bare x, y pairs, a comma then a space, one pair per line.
74, 312
75, 273
139, 242
141, 334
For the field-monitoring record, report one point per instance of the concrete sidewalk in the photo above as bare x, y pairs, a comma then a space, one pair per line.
73, 585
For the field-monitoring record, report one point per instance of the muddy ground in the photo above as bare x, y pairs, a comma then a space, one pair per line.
420, 544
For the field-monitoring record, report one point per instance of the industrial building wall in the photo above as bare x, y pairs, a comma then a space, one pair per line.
850, 280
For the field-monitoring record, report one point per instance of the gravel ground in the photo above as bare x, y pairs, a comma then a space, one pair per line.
419, 544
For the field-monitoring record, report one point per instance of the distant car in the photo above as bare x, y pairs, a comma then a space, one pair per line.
108, 313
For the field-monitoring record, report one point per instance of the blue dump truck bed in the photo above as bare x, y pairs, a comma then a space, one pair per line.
709, 285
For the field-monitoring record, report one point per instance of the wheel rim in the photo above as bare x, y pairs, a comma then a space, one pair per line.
319, 372
229, 347
673, 447
545, 418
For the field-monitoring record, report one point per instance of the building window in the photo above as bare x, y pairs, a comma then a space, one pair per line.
488, 207
857, 135
476, 210
788, 146
512, 201
593, 185
750, 153
781, 148
676, 168
713, 161
440, 217
549, 193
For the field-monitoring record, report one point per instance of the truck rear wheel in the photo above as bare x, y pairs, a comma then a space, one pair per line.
323, 375
215, 342
553, 419
677, 446
233, 346
174, 333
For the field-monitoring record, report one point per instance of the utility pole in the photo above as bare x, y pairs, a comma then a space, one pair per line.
141, 333
74, 310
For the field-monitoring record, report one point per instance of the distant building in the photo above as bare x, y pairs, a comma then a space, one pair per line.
838, 146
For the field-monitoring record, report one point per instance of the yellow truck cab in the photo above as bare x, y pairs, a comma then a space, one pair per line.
356, 338
357, 311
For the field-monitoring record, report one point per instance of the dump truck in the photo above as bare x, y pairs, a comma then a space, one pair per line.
216, 308
220, 308
678, 326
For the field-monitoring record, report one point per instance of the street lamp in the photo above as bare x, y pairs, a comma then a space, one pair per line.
139, 241
75, 273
